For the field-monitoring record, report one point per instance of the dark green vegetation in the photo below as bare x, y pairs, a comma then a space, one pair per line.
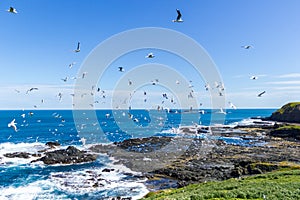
287, 131
288, 107
288, 113
283, 184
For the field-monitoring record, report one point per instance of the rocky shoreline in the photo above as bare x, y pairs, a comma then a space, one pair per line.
206, 159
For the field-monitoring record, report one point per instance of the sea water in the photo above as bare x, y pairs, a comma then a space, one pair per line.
21, 179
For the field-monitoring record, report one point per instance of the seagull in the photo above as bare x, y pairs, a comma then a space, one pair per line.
231, 105
246, 46
222, 111
59, 96
178, 19
207, 87
72, 64
13, 125
78, 48
83, 140
150, 55
121, 69
31, 89
65, 79
12, 10
253, 77
83, 75
260, 94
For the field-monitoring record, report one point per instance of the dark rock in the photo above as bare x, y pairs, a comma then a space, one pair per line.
143, 145
52, 144
286, 133
17, 155
107, 170
288, 113
70, 155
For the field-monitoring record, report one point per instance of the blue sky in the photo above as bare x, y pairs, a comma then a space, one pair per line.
37, 46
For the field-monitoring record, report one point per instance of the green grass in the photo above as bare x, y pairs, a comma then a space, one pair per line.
275, 185
289, 127
288, 106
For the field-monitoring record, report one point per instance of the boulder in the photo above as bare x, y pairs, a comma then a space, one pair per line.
288, 113
52, 144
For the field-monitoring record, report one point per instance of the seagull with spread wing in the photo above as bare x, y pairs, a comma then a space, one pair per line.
178, 19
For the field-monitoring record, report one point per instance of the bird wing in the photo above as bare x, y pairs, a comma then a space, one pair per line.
261, 93
178, 15
78, 46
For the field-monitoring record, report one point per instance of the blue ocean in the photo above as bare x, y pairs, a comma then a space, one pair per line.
21, 179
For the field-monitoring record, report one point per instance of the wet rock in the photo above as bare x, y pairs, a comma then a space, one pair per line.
143, 145
70, 155
289, 132
53, 144
108, 170
17, 155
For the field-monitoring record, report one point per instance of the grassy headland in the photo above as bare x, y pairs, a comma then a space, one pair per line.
282, 184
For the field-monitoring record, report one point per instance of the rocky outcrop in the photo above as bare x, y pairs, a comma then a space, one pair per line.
287, 132
71, 155
287, 113
52, 144
21, 155
143, 145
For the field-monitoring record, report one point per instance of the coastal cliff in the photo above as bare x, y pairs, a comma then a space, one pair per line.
290, 112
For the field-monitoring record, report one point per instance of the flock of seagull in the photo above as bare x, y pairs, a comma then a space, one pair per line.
219, 86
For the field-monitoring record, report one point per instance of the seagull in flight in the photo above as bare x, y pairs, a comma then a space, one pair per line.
72, 64
31, 89
65, 79
178, 19
13, 124
247, 46
78, 48
150, 55
121, 69
232, 105
260, 94
12, 10
253, 77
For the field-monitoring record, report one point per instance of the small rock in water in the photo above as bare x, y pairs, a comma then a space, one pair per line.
107, 170
52, 144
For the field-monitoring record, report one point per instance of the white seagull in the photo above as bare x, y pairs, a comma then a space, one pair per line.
232, 105
13, 125
78, 48
178, 19
150, 55
12, 10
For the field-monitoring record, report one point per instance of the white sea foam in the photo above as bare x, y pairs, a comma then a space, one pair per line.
115, 180
96, 180
32, 148
250, 122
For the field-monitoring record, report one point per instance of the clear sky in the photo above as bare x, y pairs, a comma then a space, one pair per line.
37, 47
